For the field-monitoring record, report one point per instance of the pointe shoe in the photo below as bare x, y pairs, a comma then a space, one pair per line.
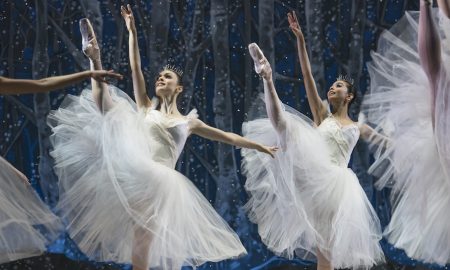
89, 40
262, 66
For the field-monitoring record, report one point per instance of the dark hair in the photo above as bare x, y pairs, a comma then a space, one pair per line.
180, 79
351, 90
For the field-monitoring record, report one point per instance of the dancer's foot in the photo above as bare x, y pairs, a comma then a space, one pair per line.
89, 41
262, 66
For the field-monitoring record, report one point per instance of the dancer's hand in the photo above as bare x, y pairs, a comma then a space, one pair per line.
294, 25
127, 15
102, 75
270, 150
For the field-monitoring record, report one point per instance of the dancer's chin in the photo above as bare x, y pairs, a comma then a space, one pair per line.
164, 92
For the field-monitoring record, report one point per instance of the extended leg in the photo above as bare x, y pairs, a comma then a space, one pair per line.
429, 49
273, 103
92, 51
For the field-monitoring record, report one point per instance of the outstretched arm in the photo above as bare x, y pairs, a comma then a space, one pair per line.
318, 109
369, 134
203, 130
19, 86
140, 93
21, 176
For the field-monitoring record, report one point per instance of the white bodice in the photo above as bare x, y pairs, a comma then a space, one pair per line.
340, 139
168, 135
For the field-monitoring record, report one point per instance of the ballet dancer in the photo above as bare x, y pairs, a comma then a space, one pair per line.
307, 201
122, 199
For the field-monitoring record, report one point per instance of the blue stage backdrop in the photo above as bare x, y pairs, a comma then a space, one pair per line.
208, 40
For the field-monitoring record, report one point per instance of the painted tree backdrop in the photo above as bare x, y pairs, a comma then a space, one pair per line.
207, 39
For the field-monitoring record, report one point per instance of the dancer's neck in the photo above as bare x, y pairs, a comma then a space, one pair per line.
169, 105
340, 112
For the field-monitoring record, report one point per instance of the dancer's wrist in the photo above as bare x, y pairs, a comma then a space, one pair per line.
92, 73
269, 78
259, 147
300, 38
88, 74
131, 28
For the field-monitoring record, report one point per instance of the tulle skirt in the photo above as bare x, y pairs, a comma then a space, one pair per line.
302, 202
27, 225
415, 161
118, 203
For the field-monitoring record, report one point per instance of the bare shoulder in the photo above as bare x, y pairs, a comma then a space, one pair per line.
349, 122
365, 130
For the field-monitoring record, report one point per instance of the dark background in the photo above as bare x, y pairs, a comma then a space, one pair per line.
208, 40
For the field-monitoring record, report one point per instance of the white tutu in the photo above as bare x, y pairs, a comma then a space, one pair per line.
117, 178
303, 201
415, 160
27, 225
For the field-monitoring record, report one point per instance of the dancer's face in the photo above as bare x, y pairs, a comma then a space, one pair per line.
167, 84
339, 94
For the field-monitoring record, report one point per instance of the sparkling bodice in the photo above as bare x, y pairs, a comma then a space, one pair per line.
340, 139
168, 135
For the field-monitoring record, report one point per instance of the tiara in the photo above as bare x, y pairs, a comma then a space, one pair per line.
172, 68
345, 78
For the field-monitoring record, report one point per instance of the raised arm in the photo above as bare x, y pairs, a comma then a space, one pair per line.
18, 86
273, 103
318, 109
203, 130
140, 93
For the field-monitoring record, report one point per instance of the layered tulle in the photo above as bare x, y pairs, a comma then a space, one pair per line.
414, 160
118, 202
303, 202
27, 225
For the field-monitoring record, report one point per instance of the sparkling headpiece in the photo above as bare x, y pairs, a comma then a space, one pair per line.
174, 69
345, 78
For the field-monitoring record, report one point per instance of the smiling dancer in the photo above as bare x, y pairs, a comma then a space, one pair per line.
307, 201
122, 199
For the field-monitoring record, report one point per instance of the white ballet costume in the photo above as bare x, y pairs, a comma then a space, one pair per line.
306, 198
27, 225
415, 162
117, 177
